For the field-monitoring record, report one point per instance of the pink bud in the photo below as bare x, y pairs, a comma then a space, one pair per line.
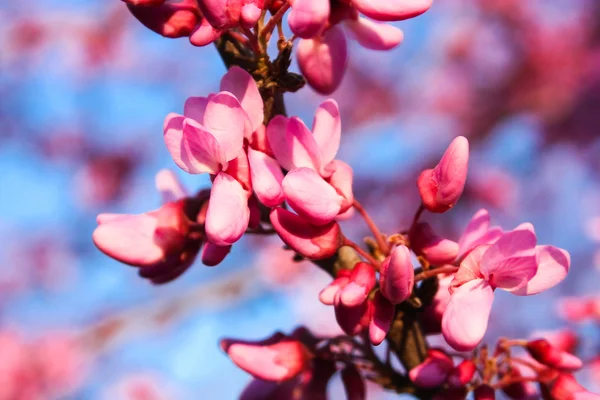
354, 384
169, 19
275, 359
397, 276
519, 390
360, 284
311, 241
322, 60
213, 255
566, 387
327, 295
433, 371
436, 249
441, 187
542, 351
381, 320
204, 34
462, 374
144, 3
251, 11
352, 320
221, 14
484, 392
308, 17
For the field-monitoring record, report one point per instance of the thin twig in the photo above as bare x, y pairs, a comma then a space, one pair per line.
383, 247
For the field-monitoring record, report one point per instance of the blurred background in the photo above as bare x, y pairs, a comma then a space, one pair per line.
84, 89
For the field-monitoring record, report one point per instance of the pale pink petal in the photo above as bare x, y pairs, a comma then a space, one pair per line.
553, 266
310, 196
169, 186
204, 34
375, 35
362, 281
327, 295
433, 371
466, 317
392, 10
228, 213
194, 108
323, 60
173, 135
304, 149
251, 11
383, 316
266, 178
225, 119
308, 17
340, 177
469, 267
478, 232
200, 151
213, 255
241, 84
129, 239
327, 129
510, 262
276, 133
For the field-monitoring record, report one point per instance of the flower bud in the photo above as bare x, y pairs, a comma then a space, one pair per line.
352, 320
275, 359
353, 384
172, 20
566, 387
213, 255
397, 276
542, 351
436, 249
381, 320
432, 372
360, 284
308, 18
484, 392
221, 14
311, 241
441, 187
462, 374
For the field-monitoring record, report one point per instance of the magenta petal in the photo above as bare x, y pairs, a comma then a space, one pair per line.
204, 34
129, 239
374, 35
266, 178
173, 135
397, 275
327, 129
225, 119
221, 13
228, 213
478, 232
213, 255
383, 315
241, 84
200, 150
169, 186
310, 196
308, 17
510, 262
322, 61
433, 371
466, 317
553, 266
392, 10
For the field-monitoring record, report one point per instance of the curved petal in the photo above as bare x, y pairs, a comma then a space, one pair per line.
204, 34
194, 108
308, 17
201, 151
553, 266
225, 119
374, 35
392, 10
478, 232
277, 138
213, 255
327, 129
228, 214
304, 148
244, 87
383, 316
169, 186
466, 317
266, 178
340, 178
310, 196
510, 262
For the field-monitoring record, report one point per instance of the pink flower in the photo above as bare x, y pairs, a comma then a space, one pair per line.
317, 187
209, 138
437, 250
441, 187
397, 276
172, 19
382, 316
360, 283
513, 263
433, 371
432, 314
478, 232
276, 359
544, 352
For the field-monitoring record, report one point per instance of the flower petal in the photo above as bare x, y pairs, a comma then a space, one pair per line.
381, 322
225, 119
228, 213
327, 129
478, 232
266, 178
200, 150
553, 266
241, 84
204, 34
374, 35
308, 17
213, 255
194, 108
340, 178
392, 10
466, 317
169, 186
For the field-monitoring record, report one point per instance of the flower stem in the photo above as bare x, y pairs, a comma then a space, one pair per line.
383, 247
436, 271
359, 250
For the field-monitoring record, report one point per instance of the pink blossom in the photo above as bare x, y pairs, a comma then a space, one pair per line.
360, 283
519, 390
392, 10
513, 263
172, 19
441, 187
382, 316
544, 352
437, 250
433, 371
317, 186
397, 276
566, 387
478, 232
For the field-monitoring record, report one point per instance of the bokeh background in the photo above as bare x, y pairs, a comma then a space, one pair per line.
84, 89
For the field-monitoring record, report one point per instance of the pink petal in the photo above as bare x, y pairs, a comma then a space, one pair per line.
327, 129
266, 178
314, 242
228, 214
462, 374
383, 316
241, 84
239, 169
251, 11
303, 146
397, 276
436, 249
340, 178
225, 119
310, 196
169, 186
169, 19
510, 262
173, 135
213, 255
194, 108
362, 281
323, 60
466, 317
478, 232
327, 295
129, 239
433, 371
469, 268
221, 13
374, 35
352, 320
204, 34
308, 17
200, 150
392, 10
553, 266
276, 133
